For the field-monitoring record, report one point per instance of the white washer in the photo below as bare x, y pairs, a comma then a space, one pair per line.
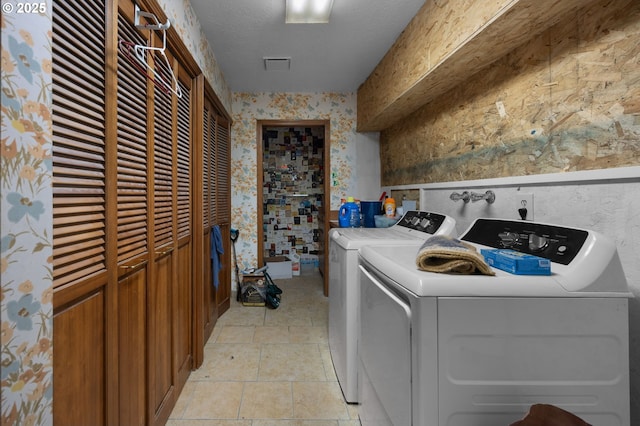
412, 229
476, 350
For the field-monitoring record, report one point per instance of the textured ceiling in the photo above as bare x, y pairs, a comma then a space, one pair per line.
335, 57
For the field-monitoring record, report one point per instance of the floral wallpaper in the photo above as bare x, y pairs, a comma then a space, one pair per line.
185, 22
26, 308
247, 108
339, 108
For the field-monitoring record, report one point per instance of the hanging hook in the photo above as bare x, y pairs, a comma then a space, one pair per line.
156, 26
139, 56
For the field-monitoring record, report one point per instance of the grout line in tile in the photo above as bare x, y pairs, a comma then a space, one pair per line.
298, 312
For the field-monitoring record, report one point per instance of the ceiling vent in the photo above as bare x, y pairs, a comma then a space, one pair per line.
277, 63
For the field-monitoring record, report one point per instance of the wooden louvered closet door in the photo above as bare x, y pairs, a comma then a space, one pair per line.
210, 306
133, 201
217, 210
223, 206
126, 320
170, 287
183, 307
79, 213
160, 284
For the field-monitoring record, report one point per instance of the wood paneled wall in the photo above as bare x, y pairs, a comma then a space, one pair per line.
566, 100
446, 43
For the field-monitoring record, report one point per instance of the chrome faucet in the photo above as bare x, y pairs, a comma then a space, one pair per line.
488, 196
465, 196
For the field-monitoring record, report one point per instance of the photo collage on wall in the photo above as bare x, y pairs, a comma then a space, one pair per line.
292, 189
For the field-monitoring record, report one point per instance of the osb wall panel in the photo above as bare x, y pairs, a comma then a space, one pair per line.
443, 45
429, 36
568, 100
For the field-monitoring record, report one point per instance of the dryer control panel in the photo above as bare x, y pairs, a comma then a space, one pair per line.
556, 243
422, 221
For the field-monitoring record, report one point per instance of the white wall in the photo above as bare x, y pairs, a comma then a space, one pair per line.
606, 201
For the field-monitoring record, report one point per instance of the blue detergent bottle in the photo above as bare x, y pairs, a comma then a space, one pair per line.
349, 214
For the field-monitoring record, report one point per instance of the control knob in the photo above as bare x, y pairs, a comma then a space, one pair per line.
508, 239
537, 242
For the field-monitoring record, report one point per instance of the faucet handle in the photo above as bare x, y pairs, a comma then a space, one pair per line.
465, 196
489, 196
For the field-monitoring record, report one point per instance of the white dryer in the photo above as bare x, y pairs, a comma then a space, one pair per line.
477, 350
412, 229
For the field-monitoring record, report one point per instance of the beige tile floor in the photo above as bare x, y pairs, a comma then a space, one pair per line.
266, 367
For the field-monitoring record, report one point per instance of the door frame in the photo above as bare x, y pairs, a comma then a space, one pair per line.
326, 205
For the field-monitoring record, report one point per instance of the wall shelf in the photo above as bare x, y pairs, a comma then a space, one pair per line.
444, 45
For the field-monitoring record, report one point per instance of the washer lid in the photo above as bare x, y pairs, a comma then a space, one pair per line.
398, 263
414, 226
354, 238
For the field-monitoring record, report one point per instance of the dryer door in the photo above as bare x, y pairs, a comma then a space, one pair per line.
385, 354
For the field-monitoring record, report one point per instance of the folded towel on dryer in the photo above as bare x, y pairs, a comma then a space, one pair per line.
450, 255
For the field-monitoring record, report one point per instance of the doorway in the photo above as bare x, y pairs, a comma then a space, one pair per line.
293, 191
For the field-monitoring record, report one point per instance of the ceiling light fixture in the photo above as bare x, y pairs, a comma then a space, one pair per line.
308, 11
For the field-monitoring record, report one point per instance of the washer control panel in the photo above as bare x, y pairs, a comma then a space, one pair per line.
556, 243
422, 221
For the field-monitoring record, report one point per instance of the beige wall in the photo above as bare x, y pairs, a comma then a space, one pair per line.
567, 100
